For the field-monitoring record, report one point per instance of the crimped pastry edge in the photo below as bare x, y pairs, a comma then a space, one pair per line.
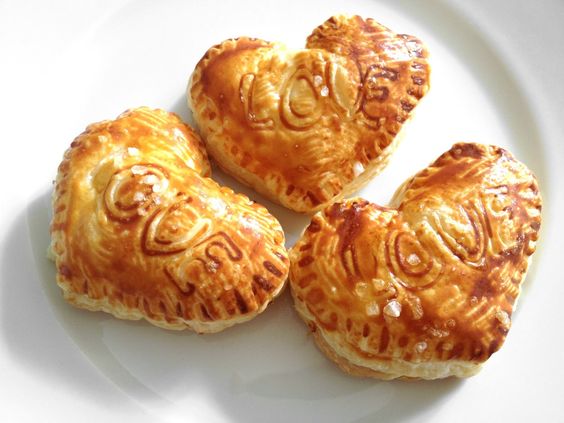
121, 312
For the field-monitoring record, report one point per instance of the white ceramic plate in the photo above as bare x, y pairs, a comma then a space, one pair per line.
73, 64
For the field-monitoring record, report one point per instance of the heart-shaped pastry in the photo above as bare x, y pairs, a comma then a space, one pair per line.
425, 288
306, 127
140, 230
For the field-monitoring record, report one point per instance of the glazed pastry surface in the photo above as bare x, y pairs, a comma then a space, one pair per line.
426, 287
307, 127
141, 231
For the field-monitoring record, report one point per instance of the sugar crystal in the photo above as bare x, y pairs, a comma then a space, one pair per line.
392, 309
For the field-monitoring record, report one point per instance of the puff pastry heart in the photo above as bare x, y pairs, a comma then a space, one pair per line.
306, 127
140, 231
425, 288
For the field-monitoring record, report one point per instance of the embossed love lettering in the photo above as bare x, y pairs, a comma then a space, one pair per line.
309, 91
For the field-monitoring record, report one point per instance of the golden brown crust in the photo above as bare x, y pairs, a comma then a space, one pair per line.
425, 288
140, 231
305, 127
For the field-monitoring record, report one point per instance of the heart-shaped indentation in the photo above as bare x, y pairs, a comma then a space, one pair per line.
425, 288
141, 231
305, 127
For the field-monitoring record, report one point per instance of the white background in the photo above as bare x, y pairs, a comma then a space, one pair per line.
497, 78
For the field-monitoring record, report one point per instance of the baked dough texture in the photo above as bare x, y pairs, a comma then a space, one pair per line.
426, 287
307, 127
141, 231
